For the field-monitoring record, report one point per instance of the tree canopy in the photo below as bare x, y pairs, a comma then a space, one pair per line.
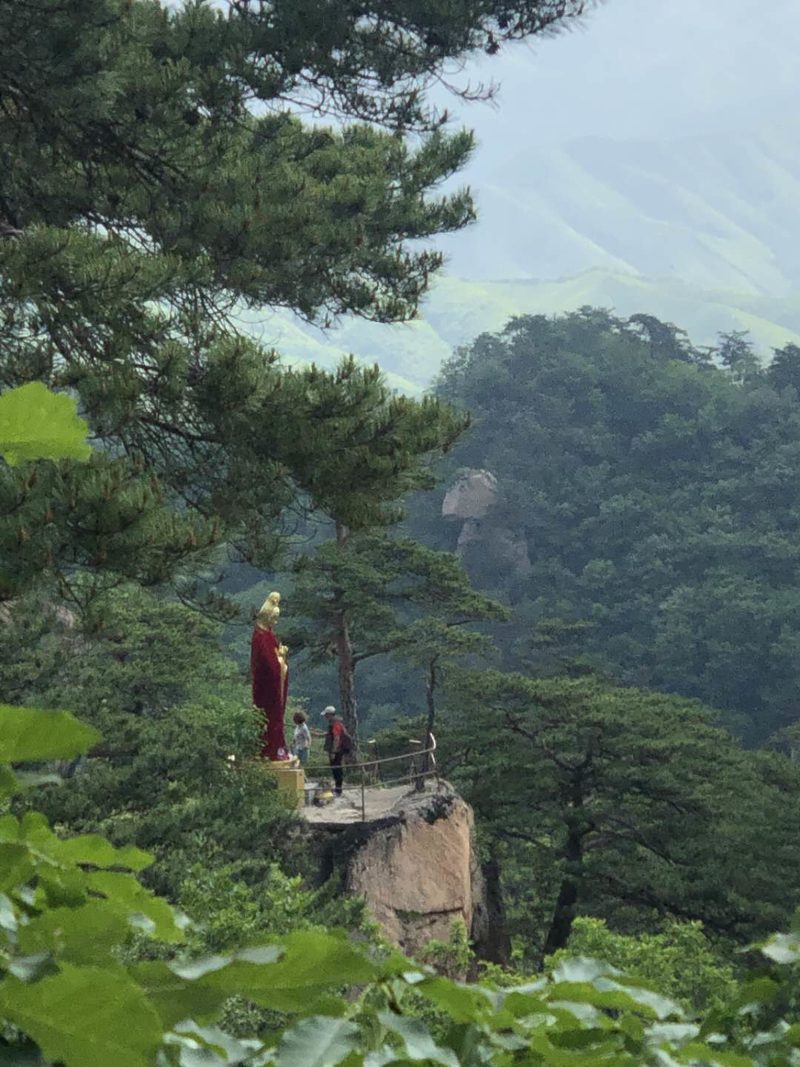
656, 489
624, 804
374, 594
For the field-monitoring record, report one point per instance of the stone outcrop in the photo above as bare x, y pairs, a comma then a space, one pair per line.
417, 875
415, 867
470, 500
471, 496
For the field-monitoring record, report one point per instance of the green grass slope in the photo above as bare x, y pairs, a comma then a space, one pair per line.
718, 211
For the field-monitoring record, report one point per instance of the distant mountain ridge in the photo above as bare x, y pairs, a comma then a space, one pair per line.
700, 231
457, 310
721, 211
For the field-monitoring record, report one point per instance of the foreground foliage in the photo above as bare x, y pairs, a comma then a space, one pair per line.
66, 995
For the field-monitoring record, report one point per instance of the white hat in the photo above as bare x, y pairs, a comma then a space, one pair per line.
330, 710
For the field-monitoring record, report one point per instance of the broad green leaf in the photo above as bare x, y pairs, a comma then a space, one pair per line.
383, 1058
697, 1052
634, 1028
9, 828
418, 1044
34, 827
36, 423
605, 993
83, 935
9, 782
186, 1051
603, 1051
783, 948
317, 1042
464, 1003
663, 1007
99, 852
312, 963
8, 916
760, 990
30, 734
509, 1041
138, 905
517, 1003
16, 865
191, 970
675, 1033
202, 1046
469, 1042
175, 998
63, 887
32, 968
89, 849
85, 1017
582, 969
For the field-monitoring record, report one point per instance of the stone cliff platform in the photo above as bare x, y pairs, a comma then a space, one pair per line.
379, 803
412, 859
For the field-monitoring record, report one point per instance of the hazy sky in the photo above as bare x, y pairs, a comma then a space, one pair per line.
649, 70
645, 68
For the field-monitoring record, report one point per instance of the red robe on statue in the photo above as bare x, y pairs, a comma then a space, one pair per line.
269, 692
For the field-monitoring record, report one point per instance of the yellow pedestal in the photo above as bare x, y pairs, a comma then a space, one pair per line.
291, 779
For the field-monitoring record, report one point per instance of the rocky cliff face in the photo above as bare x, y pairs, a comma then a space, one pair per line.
419, 874
471, 496
471, 500
415, 867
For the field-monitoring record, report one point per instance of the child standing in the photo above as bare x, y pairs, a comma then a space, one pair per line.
301, 742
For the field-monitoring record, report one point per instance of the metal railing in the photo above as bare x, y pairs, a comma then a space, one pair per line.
421, 763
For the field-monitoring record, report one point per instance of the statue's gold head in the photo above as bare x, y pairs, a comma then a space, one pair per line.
269, 612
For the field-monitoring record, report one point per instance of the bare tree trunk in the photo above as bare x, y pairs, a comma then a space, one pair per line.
566, 902
346, 664
495, 945
346, 671
430, 691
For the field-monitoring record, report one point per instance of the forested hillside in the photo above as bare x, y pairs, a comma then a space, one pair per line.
458, 309
656, 488
167, 171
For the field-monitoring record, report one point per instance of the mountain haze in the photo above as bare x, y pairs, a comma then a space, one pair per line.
717, 211
701, 231
646, 161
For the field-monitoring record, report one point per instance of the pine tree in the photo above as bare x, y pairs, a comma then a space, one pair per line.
735, 352
624, 804
159, 177
666, 340
784, 370
370, 594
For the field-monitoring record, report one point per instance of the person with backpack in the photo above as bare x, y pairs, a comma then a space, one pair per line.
338, 744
